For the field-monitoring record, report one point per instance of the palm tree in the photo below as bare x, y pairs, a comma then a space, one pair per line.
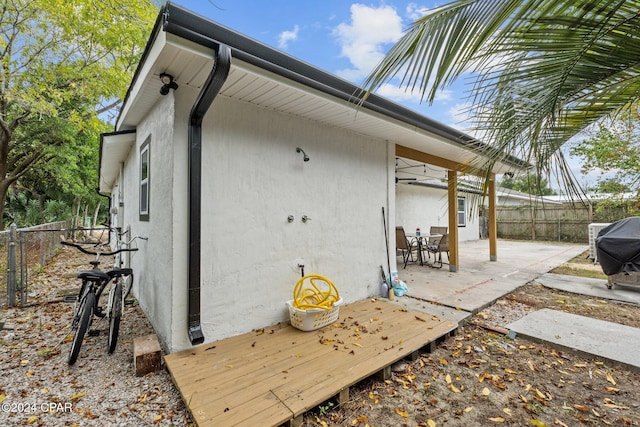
544, 70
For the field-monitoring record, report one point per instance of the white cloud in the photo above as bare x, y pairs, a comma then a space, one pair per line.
362, 40
287, 36
414, 11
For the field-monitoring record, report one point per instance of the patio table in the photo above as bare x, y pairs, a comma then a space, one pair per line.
422, 237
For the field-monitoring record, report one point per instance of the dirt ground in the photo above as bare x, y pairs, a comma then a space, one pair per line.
481, 377
478, 377
38, 388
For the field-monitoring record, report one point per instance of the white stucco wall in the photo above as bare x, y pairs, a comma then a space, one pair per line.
153, 263
420, 206
254, 180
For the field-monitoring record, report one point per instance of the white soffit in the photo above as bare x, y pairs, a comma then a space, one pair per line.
189, 63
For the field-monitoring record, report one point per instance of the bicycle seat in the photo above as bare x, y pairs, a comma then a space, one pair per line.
117, 272
93, 275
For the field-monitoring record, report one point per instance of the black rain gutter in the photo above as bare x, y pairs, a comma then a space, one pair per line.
211, 88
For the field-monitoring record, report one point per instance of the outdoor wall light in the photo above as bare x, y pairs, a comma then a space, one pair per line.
508, 174
167, 83
300, 150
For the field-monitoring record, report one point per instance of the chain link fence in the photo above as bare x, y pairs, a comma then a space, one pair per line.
22, 250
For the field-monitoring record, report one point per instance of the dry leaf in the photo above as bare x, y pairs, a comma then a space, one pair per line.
559, 423
453, 388
448, 379
401, 413
431, 423
157, 419
608, 389
486, 391
610, 378
357, 345
2, 397
468, 409
538, 423
359, 420
507, 411
77, 396
497, 419
32, 419
581, 408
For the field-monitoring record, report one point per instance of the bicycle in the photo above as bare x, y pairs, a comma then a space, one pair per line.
94, 282
119, 262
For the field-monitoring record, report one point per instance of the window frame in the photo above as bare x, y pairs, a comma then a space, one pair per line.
462, 220
144, 183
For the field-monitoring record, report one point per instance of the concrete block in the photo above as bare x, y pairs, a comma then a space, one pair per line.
147, 355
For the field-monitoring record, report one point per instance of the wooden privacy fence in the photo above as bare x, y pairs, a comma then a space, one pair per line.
564, 223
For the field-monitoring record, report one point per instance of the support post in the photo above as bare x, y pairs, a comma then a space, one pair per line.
493, 221
452, 178
11, 266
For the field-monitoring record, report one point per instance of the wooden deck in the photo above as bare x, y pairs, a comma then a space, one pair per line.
271, 377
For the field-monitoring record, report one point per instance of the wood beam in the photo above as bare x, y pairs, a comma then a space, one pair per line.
419, 156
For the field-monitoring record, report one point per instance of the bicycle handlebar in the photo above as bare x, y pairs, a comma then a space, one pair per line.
82, 249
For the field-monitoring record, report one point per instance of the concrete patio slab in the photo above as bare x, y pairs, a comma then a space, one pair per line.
443, 312
606, 340
592, 287
479, 282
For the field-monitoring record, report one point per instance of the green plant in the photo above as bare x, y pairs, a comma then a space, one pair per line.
324, 409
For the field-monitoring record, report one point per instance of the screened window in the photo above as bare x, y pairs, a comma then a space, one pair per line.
144, 180
462, 212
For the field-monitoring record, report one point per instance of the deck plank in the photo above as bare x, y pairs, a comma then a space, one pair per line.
280, 372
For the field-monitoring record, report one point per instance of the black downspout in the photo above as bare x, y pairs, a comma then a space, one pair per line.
217, 77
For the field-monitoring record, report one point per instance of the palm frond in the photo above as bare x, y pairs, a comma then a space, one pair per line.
544, 70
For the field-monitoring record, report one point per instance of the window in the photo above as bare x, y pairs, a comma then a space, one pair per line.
462, 212
144, 180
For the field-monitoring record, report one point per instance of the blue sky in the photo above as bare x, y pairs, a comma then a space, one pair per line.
344, 38
341, 37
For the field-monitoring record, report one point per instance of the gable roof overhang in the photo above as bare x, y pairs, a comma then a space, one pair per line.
183, 43
114, 149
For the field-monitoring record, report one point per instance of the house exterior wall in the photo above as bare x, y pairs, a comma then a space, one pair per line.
153, 263
253, 180
421, 206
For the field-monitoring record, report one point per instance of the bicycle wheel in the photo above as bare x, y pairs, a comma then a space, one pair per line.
86, 312
128, 285
114, 316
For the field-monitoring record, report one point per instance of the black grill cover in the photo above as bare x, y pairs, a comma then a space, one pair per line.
618, 246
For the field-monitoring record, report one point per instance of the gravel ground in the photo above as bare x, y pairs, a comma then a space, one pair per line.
37, 387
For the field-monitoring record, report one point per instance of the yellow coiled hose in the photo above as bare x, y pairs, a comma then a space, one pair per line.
319, 293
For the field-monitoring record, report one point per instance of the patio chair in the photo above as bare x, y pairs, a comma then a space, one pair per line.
436, 232
436, 229
405, 246
440, 245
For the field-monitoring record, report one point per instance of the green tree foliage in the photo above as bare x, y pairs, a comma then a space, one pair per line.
615, 148
544, 70
62, 64
529, 183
